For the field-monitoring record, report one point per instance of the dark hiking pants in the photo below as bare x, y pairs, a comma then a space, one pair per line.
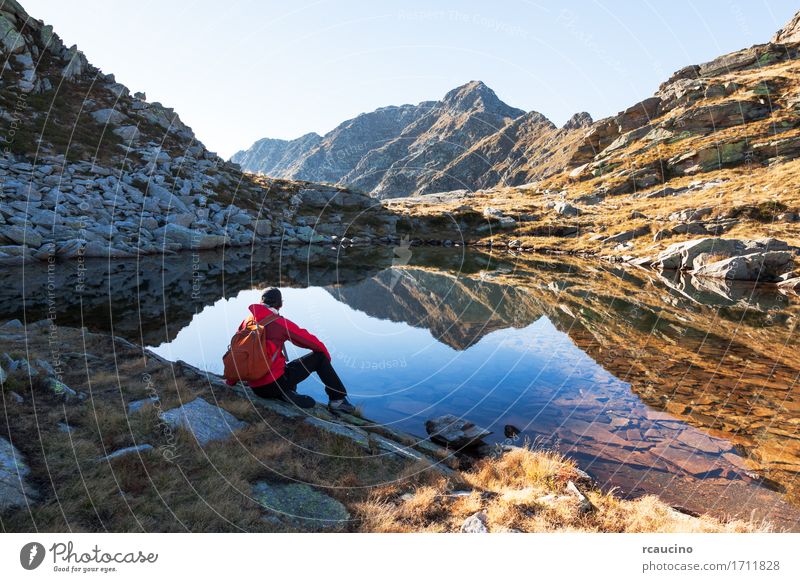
298, 370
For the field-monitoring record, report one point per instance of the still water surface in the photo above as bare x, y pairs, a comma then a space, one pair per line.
640, 379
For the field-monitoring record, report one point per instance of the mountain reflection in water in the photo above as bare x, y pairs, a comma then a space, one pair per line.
654, 383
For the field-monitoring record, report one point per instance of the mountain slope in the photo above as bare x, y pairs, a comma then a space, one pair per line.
89, 170
273, 157
394, 151
713, 152
527, 149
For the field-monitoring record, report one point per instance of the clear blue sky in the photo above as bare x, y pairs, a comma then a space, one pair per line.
240, 70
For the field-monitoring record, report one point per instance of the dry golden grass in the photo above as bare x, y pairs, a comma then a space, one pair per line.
525, 490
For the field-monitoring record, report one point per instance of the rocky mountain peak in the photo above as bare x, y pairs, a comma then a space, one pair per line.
579, 120
477, 96
790, 32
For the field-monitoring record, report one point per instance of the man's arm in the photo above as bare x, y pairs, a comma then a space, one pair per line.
303, 338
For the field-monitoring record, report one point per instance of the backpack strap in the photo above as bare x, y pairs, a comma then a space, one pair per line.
266, 321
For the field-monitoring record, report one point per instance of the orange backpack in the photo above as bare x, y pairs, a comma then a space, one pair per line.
247, 358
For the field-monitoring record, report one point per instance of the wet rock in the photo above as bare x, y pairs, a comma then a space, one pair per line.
205, 421
475, 523
510, 431
301, 506
15, 490
14, 324
126, 451
455, 432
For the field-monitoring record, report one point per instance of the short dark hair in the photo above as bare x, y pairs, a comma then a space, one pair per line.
272, 297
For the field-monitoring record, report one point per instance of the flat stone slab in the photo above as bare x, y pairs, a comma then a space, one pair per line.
15, 491
356, 435
301, 506
205, 421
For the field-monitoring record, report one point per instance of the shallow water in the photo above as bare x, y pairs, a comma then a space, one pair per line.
654, 385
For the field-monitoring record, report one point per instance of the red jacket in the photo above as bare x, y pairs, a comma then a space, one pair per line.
278, 332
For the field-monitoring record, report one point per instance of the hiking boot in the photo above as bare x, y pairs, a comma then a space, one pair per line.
342, 405
299, 400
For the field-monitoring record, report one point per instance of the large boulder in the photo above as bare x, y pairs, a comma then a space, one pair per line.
681, 256
566, 209
737, 260
205, 421
22, 236
767, 266
455, 432
15, 490
109, 116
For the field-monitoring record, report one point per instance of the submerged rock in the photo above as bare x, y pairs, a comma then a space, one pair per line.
455, 432
301, 506
205, 421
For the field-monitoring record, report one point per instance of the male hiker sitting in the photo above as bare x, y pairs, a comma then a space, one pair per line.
257, 355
